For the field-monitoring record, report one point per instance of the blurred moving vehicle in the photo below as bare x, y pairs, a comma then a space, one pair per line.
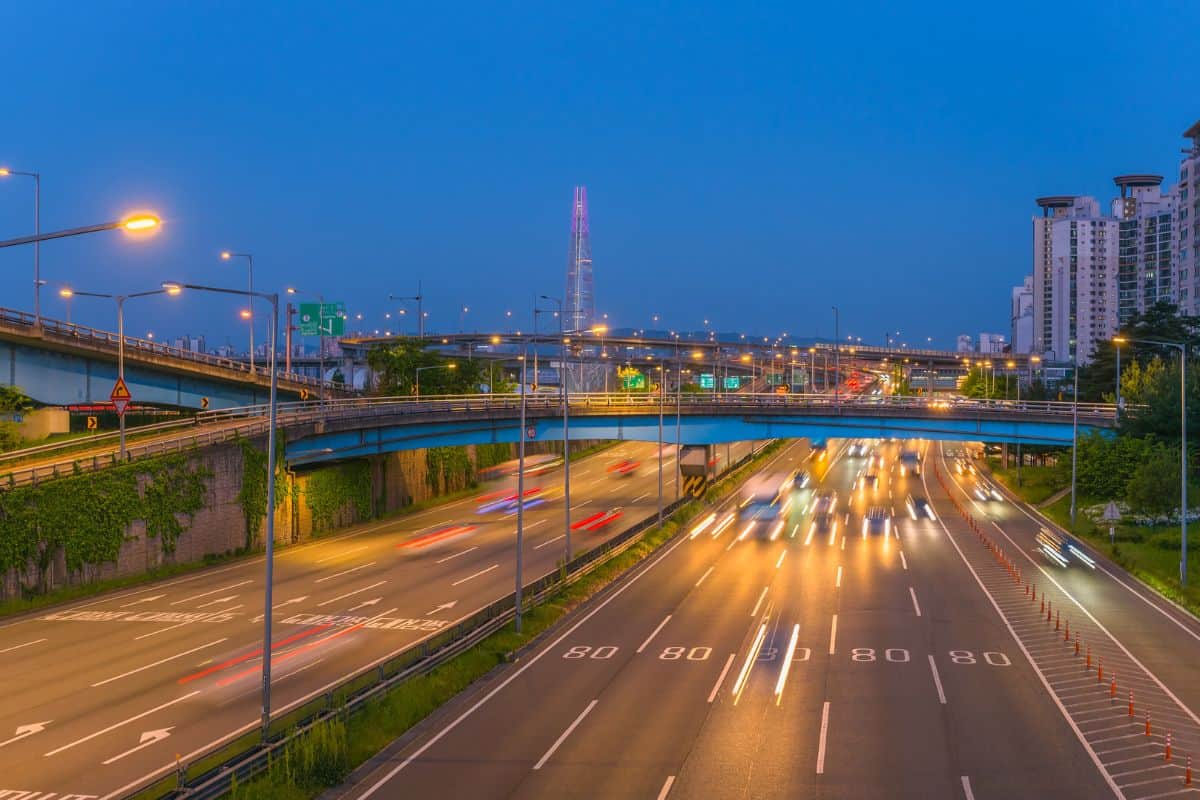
857, 449
766, 497
910, 463
918, 507
1060, 549
823, 507
877, 520
624, 468
868, 481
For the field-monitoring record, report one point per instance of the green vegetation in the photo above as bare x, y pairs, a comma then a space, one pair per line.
253, 495
12, 401
330, 489
325, 755
86, 516
395, 366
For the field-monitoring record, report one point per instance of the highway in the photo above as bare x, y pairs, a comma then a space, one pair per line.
101, 694
920, 667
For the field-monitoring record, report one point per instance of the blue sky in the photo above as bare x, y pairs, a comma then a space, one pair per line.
747, 163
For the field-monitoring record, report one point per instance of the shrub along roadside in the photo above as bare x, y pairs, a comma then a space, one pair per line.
1148, 552
325, 755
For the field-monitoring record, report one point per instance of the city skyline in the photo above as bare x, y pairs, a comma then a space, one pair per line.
768, 196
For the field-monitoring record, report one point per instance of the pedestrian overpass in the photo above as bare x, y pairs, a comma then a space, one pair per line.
355, 428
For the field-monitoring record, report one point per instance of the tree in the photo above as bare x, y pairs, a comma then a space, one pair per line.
1153, 488
12, 402
395, 367
1161, 322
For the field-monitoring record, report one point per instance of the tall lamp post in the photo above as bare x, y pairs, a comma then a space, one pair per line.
120, 298
562, 383
419, 299
37, 245
521, 436
226, 256
1117, 342
419, 370
1183, 465
837, 358
273, 298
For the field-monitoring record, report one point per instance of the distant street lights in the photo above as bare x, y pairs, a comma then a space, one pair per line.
37, 246
226, 255
172, 287
419, 299
120, 298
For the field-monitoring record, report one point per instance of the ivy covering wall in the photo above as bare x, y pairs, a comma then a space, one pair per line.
87, 516
253, 495
448, 468
489, 455
331, 489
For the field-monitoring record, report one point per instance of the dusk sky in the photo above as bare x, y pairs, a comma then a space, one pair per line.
747, 163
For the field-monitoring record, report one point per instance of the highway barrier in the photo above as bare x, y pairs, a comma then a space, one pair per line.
242, 755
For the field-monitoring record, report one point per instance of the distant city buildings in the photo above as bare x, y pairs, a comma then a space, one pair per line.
965, 343
192, 344
580, 301
1022, 317
992, 343
1094, 269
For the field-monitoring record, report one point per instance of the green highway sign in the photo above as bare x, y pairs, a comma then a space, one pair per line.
707, 381
317, 319
733, 382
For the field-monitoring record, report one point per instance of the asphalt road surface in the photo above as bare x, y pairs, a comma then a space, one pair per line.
99, 696
842, 664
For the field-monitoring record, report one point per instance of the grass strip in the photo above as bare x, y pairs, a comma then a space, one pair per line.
1148, 552
324, 756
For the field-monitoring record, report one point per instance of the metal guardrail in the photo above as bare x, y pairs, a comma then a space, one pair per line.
350, 694
77, 334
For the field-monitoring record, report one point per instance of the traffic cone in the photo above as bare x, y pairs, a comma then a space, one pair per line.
1112, 688
1187, 775
1067, 632
1100, 671
1131, 703
1167, 752
1056, 620
1147, 722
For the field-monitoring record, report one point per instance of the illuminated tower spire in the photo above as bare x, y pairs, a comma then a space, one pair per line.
580, 300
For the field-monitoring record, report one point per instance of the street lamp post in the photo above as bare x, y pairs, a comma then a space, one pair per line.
172, 287
1183, 465
419, 370
521, 490
566, 425
837, 358
419, 297
226, 256
1074, 430
37, 245
1117, 342
120, 298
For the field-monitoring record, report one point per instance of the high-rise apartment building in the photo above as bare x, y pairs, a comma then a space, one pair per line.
992, 343
1145, 261
1022, 316
1187, 225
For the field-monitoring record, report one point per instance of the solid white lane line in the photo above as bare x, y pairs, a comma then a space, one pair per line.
549, 542
821, 740
761, 596
476, 575
456, 555
345, 572
641, 497
116, 725
214, 591
707, 572
662, 795
903, 560
160, 661
937, 681
350, 594
565, 734
654, 633
779, 563
837, 583
351, 551
966, 783
833, 636
721, 678
19, 646
160, 630
916, 606
1112, 784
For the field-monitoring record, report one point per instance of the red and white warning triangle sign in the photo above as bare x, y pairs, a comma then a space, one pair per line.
120, 396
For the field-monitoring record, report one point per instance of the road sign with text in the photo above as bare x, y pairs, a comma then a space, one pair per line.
317, 319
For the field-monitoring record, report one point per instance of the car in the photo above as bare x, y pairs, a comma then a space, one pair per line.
624, 468
1060, 548
877, 520
869, 481
993, 492
819, 450
856, 450
918, 507
801, 480
980, 493
823, 507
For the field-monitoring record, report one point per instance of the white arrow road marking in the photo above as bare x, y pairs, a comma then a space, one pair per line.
351, 594
345, 572
156, 663
366, 603
278, 606
442, 607
145, 600
217, 601
214, 591
24, 731
148, 738
116, 725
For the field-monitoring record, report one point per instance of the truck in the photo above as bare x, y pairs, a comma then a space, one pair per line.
766, 497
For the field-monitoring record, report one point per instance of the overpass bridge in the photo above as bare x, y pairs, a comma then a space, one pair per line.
337, 429
60, 363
